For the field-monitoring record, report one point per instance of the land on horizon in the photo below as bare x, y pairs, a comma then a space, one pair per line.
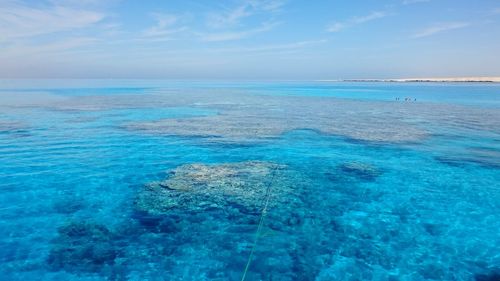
484, 79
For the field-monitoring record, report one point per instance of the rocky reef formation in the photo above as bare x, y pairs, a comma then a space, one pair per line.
257, 123
214, 209
198, 187
82, 246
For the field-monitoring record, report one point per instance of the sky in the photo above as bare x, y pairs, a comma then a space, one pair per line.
249, 39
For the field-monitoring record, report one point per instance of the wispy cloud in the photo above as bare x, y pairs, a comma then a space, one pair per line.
336, 27
21, 21
250, 17
339, 26
56, 47
276, 47
166, 25
236, 35
233, 16
370, 17
496, 11
409, 2
83, 3
439, 28
230, 17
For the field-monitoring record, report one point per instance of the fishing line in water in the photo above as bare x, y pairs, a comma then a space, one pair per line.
261, 223
261, 219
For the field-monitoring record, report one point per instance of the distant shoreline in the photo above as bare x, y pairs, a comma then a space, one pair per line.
426, 80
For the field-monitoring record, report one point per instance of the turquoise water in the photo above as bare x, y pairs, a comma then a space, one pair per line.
368, 188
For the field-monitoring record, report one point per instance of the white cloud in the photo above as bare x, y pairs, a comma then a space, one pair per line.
440, 27
235, 23
370, 17
409, 2
82, 3
248, 8
235, 35
336, 27
166, 25
271, 5
229, 18
20, 21
339, 26
57, 47
276, 47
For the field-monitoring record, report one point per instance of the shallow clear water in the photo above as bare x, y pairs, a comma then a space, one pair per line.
369, 188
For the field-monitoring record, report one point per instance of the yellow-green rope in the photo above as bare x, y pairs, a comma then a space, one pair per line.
261, 223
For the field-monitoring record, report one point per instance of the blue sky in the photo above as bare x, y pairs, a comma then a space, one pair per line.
249, 39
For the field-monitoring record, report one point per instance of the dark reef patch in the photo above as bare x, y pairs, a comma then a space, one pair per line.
68, 206
363, 171
451, 161
486, 157
157, 224
491, 276
83, 246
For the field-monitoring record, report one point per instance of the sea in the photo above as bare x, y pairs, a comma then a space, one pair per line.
249, 180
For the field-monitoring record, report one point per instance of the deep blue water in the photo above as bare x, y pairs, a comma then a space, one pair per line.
377, 189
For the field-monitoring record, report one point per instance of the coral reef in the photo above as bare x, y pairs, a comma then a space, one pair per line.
243, 117
199, 187
260, 123
82, 246
225, 201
